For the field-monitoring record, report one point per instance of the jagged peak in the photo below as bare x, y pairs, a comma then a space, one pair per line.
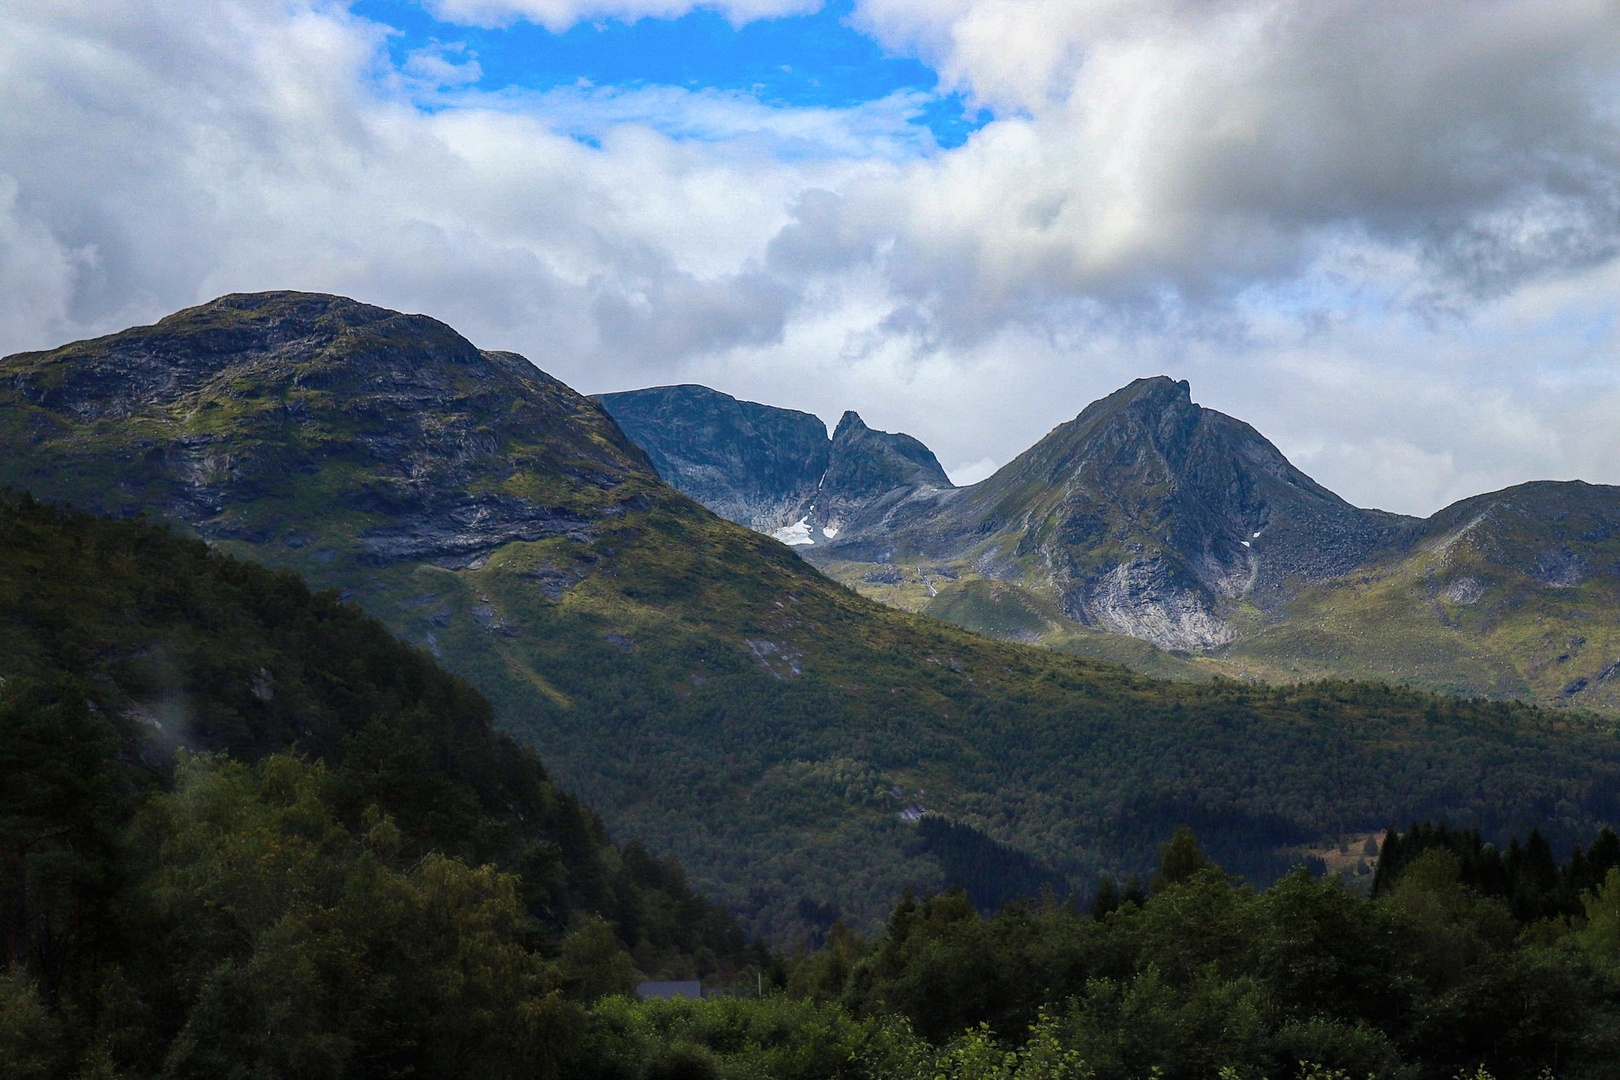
1155, 388
849, 424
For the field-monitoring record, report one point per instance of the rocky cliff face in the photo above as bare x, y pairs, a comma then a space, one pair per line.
753, 464
776, 470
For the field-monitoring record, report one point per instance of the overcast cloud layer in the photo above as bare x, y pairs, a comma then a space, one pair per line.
1384, 233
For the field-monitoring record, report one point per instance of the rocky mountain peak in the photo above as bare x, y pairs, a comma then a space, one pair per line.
774, 470
753, 464
291, 339
850, 425
864, 462
1147, 514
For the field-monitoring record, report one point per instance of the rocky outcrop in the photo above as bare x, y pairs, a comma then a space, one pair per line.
776, 470
753, 464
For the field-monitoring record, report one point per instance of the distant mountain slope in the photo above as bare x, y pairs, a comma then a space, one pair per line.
706, 690
1512, 593
1150, 518
775, 470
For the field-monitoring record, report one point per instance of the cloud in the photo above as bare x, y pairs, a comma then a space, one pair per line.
559, 15
1384, 233
221, 146
1166, 145
881, 129
442, 65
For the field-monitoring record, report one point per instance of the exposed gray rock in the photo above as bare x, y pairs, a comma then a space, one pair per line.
1142, 599
753, 464
1464, 590
776, 470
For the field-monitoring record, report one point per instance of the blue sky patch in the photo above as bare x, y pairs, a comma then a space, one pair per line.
804, 61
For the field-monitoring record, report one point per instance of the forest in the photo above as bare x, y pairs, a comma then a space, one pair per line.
245, 832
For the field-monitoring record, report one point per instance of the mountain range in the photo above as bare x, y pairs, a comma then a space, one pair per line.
807, 754
1151, 517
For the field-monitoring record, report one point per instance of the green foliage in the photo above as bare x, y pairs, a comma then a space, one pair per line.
354, 874
1208, 977
774, 1038
1525, 875
313, 956
1180, 859
409, 870
123, 641
29, 1035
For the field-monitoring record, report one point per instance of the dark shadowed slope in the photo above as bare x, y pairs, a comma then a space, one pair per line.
752, 464
120, 643
775, 470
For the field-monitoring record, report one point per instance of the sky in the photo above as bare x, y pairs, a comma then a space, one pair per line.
1387, 234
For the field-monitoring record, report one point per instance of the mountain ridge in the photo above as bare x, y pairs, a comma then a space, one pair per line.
775, 470
1149, 517
708, 692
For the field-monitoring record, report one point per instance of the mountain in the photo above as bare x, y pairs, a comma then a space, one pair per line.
775, 470
1146, 515
752, 464
120, 642
256, 417
1149, 518
1506, 594
705, 690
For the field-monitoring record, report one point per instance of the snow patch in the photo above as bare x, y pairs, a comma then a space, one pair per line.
795, 535
829, 531
1245, 543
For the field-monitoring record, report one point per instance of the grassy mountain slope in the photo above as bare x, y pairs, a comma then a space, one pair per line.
699, 684
1510, 594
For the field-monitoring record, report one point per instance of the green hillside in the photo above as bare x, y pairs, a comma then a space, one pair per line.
698, 684
1510, 594
152, 644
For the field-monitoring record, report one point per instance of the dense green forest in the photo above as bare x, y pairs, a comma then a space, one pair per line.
244, 832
